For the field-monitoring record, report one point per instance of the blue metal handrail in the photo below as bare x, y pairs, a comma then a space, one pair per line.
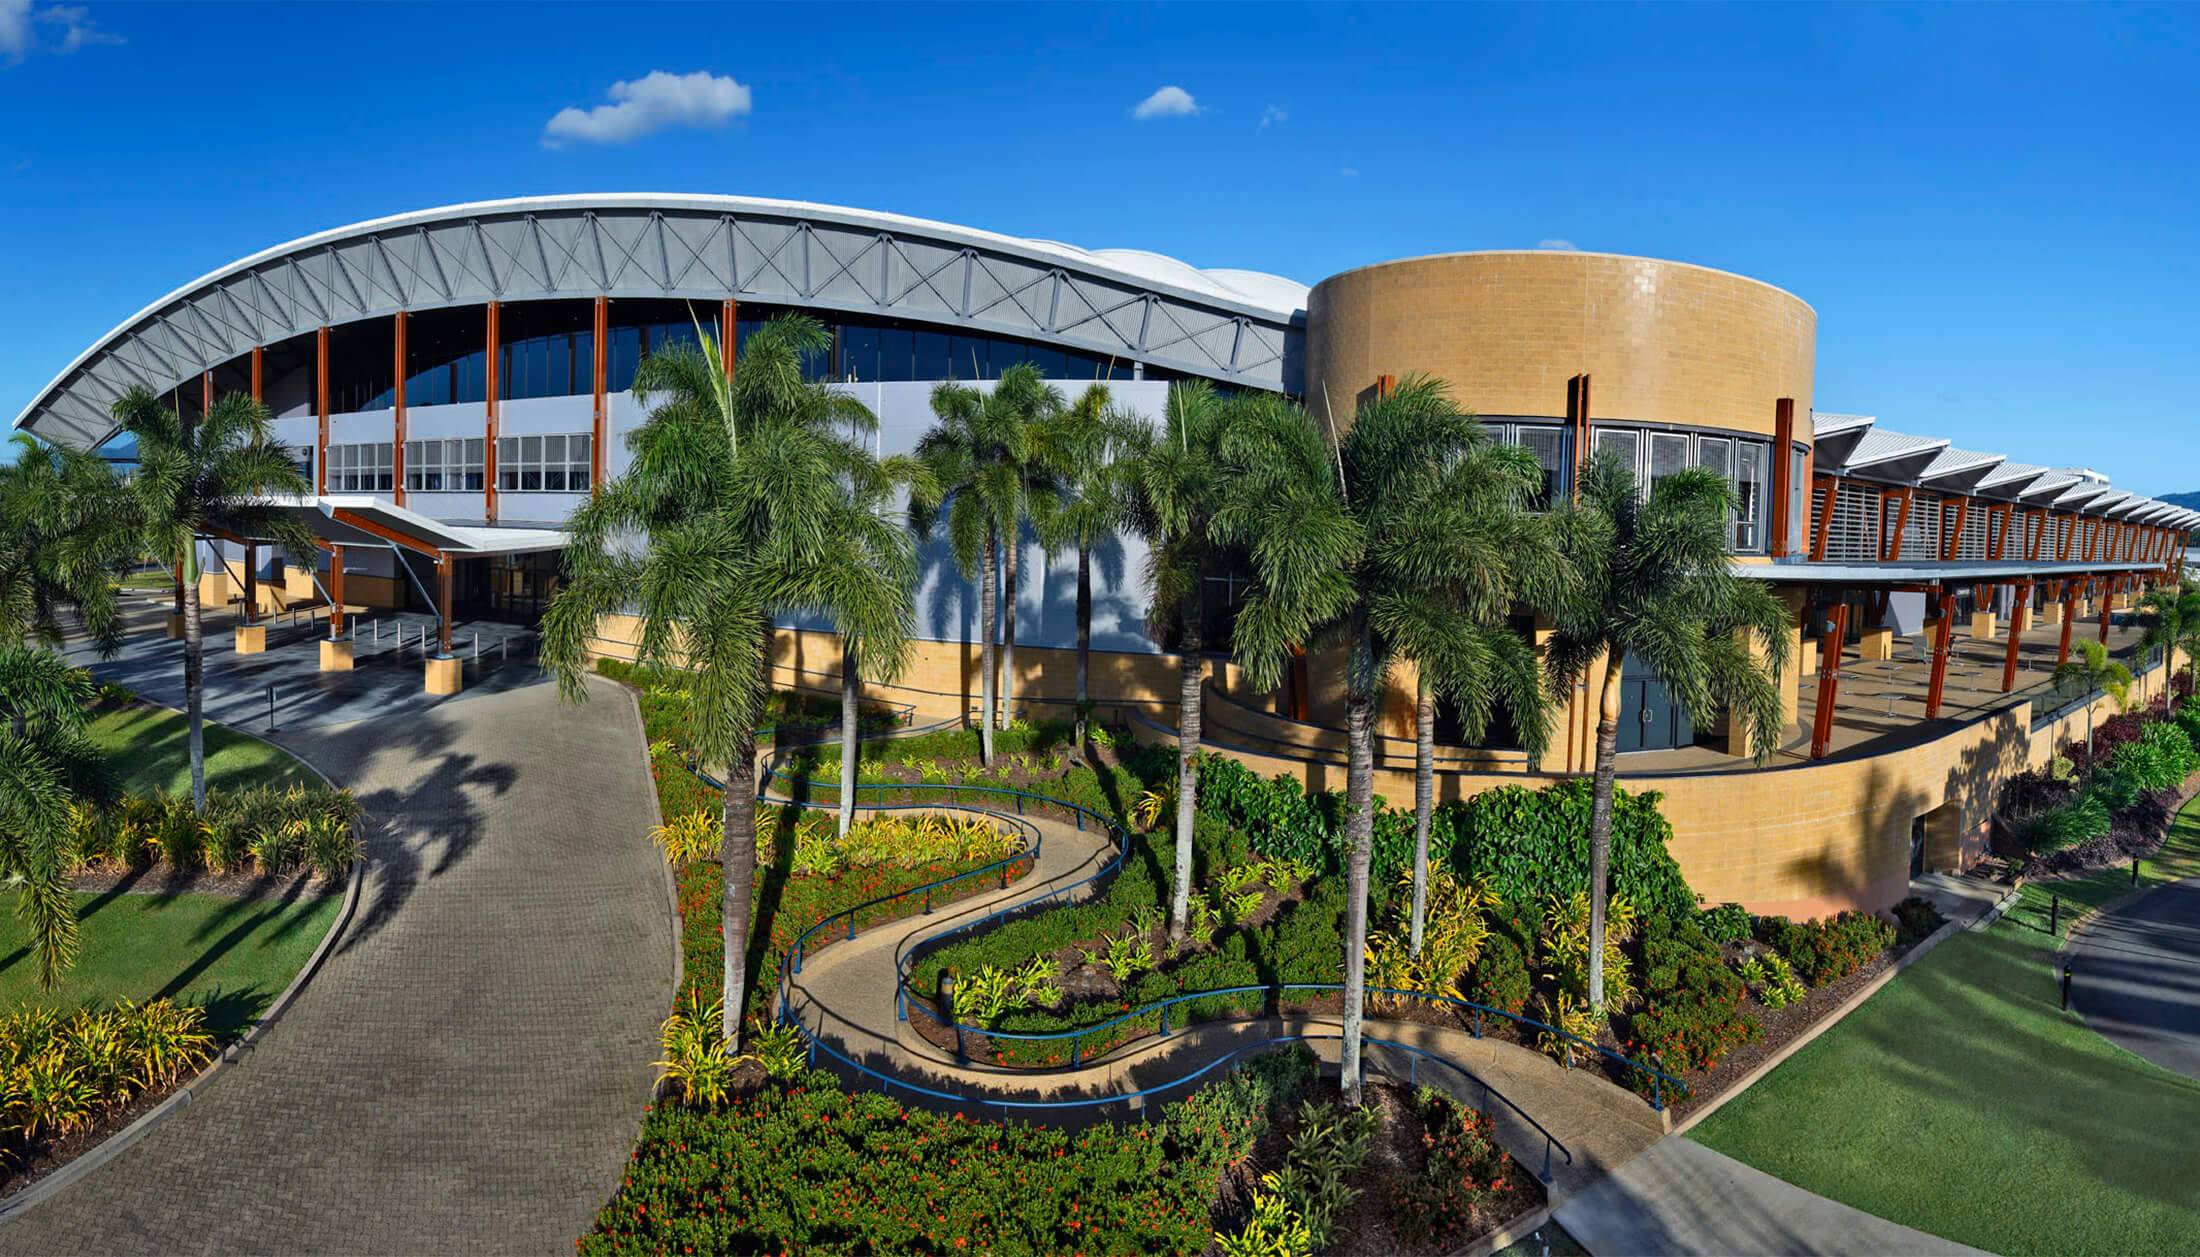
1551, 1142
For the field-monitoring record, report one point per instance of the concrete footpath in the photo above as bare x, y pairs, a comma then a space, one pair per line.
1680, 1197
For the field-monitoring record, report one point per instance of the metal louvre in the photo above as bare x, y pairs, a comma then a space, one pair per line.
1854, 532
701, 248
1976, 525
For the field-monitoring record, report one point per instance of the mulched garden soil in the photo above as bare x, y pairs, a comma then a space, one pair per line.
22, 1164
162, 880
1368, 1227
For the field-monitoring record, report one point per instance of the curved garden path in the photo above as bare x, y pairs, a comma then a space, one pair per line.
2138, 975
466, 1073
844, 996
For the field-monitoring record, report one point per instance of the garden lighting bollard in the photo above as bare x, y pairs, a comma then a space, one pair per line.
271, 707
2068, 965
2054, 914
2135, 870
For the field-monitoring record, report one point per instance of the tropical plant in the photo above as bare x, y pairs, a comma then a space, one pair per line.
686, 839
1407, 536
1327, 1150
2094, 672
2169, 621
1174, 492
64, 540
738, 489
1656, 585
696, 1059
779, 1049
222, 475
867, 584
49, 771
1091, 448
1274, 1229
983, 455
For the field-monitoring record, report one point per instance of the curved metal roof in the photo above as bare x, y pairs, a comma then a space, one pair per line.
1232, 325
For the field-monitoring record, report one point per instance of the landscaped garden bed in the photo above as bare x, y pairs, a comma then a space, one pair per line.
788, 715
189, 924
1262, 1160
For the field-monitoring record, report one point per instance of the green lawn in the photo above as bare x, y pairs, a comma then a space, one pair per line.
232, 956
1962, 1101
149, 751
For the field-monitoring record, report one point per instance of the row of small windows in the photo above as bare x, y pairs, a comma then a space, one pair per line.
558, 463
563, 363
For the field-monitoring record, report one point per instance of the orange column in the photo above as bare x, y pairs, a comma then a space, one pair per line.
443, 604
2018, 615
2062, 649
596, 446
257, 363
489, 420
320, 409
1938, 681
397, 428
206, 391
1829, 682
2108, 599
1581, 430
336, 591
729, 332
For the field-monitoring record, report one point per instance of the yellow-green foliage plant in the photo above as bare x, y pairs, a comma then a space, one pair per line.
59, 1073
1566, 947
686, 839
1274, 1230
696, 1061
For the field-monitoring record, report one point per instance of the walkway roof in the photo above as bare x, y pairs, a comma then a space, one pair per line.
1964, 572
369, 522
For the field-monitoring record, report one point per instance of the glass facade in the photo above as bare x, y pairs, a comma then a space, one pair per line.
367, 467
452, 465
545, 464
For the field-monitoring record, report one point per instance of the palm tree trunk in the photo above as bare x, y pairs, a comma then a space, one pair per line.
1188, 712
194, 675
850, 685
737, 861
1424, 792
1008, 630
1084, 642
1359, 794
1600, 820
985, 650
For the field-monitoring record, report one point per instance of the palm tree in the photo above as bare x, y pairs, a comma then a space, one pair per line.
221, 476
46, 765
1656, 583
868, 586
2094, 673
735, 501
982, 456
1175, 486
1090, 447
2171, 622
64, 541
1407, 537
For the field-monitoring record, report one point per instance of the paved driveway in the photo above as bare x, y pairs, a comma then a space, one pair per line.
2138, 976
467, 1072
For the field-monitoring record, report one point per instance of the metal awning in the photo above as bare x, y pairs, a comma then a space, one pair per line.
367, 521
1959, 469
2049, 487
2010, 479
1895, 456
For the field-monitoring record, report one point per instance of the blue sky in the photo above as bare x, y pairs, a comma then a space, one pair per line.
1992, 209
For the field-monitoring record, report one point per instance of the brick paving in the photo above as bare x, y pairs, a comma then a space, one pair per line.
467, 1071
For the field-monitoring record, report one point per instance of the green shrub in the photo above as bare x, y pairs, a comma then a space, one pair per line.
2080, 820
1467, 1174
2114, 787
1501, 980
1915, 920
1829, 950
1534, 844
811, 1168
2161, 758
1220, 1124
1727, 923
1692, 1012
1325, 1155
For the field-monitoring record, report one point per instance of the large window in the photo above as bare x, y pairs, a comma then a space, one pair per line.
1656, 454
363, 468
545, 464
445, 466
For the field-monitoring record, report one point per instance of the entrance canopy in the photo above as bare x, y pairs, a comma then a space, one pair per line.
367, 521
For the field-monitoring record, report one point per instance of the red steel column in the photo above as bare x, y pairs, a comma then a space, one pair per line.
443, 563
251, 579
206, 392
336, 591
1829, 682
597, 460
2019, 615
320, 410
1938, 681
1783, 483
2107, 599
257, 356
1832, 489
397, 451
489, 419
2062, 650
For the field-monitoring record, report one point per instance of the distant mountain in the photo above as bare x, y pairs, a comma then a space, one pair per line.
2190, 501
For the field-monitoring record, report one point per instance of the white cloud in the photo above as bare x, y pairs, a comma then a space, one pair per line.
1561, 246
19, 30
1272, 115
649, 104
1167, 102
